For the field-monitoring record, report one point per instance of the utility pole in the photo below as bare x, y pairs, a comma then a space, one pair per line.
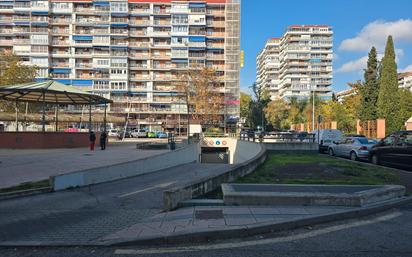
313, 109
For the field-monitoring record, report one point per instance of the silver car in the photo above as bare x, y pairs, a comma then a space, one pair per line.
354, 148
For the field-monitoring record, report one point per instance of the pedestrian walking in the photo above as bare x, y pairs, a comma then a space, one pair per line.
103, 138
92, 139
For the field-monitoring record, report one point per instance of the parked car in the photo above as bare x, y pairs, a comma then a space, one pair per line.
354, 148
127, 134
112, 133
326, 138
151, 134
161, 135
394, 150
139, 133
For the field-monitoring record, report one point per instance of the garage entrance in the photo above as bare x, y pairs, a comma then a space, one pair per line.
214, 155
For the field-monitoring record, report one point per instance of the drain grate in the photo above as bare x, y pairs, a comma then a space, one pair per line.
208, 214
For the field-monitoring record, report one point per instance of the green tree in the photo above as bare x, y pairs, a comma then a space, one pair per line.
370, 89
276, 113
261, 100
388, 98
405, 102
245, 107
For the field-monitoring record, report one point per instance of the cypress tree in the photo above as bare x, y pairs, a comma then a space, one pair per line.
388, 98
370, 89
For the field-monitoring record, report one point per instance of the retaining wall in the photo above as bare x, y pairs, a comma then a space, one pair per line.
171, 198
45, 140
129, 169
292, 146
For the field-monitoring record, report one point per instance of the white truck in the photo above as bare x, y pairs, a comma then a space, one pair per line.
326, 137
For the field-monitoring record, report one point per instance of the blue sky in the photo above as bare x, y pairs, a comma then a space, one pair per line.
357, 24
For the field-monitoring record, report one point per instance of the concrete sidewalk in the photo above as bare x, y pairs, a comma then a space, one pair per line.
199, 224
22, 166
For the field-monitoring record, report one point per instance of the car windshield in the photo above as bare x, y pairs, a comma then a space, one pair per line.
363, 140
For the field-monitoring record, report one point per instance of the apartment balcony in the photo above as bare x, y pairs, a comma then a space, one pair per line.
87, 54
140, 11
88, 10
84, 65
137, 88
6, 8
85, 21
60, 65
39, 7
184, 10
139, 56
140, 77
123, 32
6, 19
161, 57
139, 22
61, 31
216, 24
138, 33
162, 66
101, 76
215, 57
60, 42
84, 76
7, 42
60, 21
138, 67
101, 31
101, 9
100, 53
62, 10
165, 11
158, 99
140, 44
216, 34
119, 54
7, 31
61, 53
21, 6
119, 43
216, 45
161, 77
160, 33
197, 44
215, 12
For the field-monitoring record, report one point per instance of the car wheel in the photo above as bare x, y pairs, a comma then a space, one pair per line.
353, 156
331, 153
375, 159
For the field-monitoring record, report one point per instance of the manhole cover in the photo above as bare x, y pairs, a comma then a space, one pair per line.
209, 214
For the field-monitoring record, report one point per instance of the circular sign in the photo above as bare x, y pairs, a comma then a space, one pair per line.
217, 142
211, 142
224, 142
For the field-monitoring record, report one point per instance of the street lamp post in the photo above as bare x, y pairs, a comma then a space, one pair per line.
313, 108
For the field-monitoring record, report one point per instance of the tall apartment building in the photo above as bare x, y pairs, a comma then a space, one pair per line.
405, 80
298, 63
129, 51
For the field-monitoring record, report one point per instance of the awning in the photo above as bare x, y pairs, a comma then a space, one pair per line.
61, 71
121, 25
101, 3
53, 91
197, 39
83, 38
197, 5
40, 13
180, 60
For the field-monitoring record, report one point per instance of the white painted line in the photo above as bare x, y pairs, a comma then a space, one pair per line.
147, 189
257, 242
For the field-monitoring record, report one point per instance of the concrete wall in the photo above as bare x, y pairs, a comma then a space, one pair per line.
173, 197
45, 140
129, 169
292, 146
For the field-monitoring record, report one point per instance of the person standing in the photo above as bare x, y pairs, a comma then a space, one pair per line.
103, 138
92, 139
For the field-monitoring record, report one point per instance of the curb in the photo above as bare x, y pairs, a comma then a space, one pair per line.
23, 193
261, 228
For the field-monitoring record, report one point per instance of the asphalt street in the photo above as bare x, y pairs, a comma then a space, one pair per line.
387, 234
82, 215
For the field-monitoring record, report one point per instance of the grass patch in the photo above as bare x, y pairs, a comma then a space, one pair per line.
26, 186
317, 169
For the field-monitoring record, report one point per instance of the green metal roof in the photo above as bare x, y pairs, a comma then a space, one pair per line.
54, 92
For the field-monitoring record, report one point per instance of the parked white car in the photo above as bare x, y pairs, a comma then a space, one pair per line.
139, 133
326, 138
354, 148
113, 133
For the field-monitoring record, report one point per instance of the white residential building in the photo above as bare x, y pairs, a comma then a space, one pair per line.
297, 63
405, 80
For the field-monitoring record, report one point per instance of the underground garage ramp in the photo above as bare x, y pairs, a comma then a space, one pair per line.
214, 155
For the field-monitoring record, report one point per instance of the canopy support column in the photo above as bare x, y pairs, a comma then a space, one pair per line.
17, 117
105, 118
90, 117
56, 115
43, 118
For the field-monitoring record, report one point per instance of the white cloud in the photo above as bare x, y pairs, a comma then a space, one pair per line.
407, 68
376, 33
355, 65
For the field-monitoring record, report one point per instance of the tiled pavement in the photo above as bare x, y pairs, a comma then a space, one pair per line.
21, 166
217, 218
